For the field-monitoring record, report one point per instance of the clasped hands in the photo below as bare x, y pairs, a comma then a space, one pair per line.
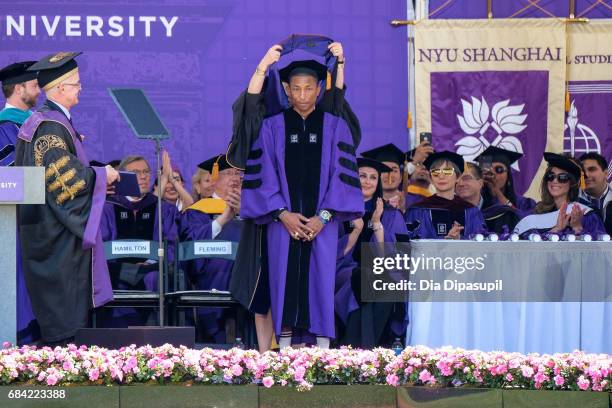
300, 227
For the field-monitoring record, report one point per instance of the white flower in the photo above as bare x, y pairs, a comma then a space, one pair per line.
474, 117
508, 119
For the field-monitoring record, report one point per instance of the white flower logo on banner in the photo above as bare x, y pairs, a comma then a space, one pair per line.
507, 119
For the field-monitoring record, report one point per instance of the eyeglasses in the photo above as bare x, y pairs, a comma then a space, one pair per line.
467, 177
561, 177
499, 169
447, 172
78, 84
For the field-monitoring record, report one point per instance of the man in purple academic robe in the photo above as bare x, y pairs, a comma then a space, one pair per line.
20, 88
63, 258
301, 182
136, 218
213, 218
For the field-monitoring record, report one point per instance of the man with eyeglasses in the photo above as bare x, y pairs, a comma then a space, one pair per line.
62, 252
136, 218
214, 218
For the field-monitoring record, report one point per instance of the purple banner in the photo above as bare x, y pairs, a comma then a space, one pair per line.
507, 109
588, 124
518, 8
194, 58
11, 184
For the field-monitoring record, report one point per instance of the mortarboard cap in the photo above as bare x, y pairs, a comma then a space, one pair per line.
54, 68
215, 164
452, 157
500, 155
386, 153
375, 164
565, 163
17, 73
307, 67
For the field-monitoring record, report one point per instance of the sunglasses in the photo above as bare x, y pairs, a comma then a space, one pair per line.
561, 177
447, 172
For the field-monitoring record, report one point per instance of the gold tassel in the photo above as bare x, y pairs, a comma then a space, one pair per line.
328, 84
567, 100
215, 171
582, 181
409, 121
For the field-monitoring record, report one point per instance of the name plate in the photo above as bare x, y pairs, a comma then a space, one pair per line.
131, 248
212, 248
11, 184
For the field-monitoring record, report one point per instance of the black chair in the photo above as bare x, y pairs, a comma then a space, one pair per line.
124, 249
183, 297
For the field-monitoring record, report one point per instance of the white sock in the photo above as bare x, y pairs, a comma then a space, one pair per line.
323, 342
285, 340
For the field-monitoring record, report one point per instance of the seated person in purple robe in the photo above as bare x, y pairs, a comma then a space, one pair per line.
497, 176
391, 156
173, 185
597, 193
500, 219
559, 212
213, 218
301, 183
367, 325
444, 215
136, 218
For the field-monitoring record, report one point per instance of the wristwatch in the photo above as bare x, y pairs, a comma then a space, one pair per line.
276, 214
325, 216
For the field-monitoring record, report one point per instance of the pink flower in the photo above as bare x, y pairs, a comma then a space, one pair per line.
583, 383
392, 379
509, 377
526, 371
559, 380
237, 370
52, 379
425, 376
268, 381
67, 365
94, 374
7, 344
540, 377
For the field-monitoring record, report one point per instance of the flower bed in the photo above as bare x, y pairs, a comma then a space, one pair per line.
303, 368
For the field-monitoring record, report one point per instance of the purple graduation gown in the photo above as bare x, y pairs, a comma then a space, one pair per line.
344, 299
420, 223
27, 327
209, 273
265, 190
63, 257
170, 219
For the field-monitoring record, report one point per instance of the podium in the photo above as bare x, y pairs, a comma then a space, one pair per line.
18, 185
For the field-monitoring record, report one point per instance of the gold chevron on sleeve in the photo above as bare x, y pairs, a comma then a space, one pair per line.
61, 181
56, 166
70, 192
